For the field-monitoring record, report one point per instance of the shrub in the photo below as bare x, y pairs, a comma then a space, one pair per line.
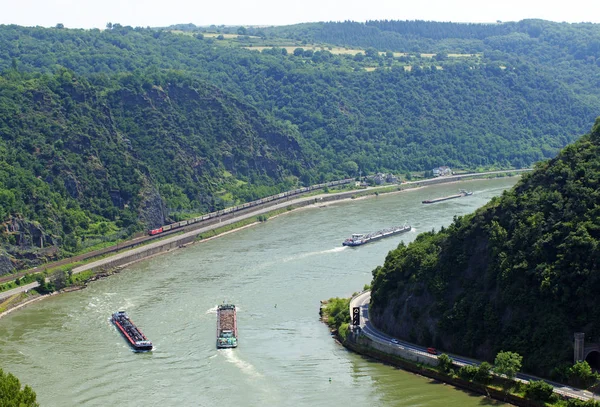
468, 372
538, 390
445, 363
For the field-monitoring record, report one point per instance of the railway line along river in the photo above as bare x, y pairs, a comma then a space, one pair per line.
276, 273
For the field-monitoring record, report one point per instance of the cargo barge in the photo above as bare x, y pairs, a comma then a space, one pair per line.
445, 198
226, 326
130, 332
358, 239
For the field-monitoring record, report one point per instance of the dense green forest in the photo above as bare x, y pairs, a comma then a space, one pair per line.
568, 52
464, 115
83, 158
105, 132
519, 274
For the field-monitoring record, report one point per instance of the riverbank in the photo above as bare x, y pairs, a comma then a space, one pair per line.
330, 312
122, 259
421, 370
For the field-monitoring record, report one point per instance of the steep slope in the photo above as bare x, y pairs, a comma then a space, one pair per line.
361, 111
521, 274
82, 161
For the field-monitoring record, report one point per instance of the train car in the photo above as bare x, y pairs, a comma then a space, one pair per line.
153, 232
167, 227
183, 223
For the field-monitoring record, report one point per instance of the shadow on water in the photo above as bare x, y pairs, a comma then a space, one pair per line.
485, 400
416, 383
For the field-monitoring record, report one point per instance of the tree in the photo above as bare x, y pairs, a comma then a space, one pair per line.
445, 363
467, 372
371, 53
483, 373
351, 168
11, 394
507, 364
580, 374
538, 390
242, 31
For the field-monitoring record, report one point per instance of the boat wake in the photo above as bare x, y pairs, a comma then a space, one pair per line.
213, 310
334, 250
232, 357
304, 255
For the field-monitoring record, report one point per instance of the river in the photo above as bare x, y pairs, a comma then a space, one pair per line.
276, 272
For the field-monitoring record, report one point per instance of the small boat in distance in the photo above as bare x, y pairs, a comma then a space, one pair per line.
130, 332
445, 198
358, 239
226, 326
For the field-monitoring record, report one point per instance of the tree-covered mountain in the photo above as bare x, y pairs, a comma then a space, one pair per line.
109, 131
519, 274
83, 158
389, 119
568, 52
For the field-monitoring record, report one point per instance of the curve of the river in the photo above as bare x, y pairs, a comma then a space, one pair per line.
276, 273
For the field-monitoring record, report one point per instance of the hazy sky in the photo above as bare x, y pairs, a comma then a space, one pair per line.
155, 13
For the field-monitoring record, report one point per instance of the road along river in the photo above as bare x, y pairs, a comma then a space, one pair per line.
276, 273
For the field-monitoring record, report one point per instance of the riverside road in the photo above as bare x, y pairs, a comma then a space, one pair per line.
363, 299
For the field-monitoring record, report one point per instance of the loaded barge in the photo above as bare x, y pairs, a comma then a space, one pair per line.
445, 198
134, 336
358, 239
226, 326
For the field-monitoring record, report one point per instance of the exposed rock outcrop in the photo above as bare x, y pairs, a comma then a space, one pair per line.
6, 265
152, 208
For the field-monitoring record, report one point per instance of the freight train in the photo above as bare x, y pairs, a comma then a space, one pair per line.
233, 209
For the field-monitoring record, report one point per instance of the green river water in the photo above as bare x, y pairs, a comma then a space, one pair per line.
276, 272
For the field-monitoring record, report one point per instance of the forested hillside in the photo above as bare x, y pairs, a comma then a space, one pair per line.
111, 131
568, 52
464, 115
520, 274
86, 158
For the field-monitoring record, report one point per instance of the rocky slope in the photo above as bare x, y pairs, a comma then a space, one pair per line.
86, 159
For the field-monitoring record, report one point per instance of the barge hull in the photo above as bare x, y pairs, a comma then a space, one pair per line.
226, 326
134, 336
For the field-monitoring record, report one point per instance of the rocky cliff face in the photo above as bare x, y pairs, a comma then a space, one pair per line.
31, 245
152, 208
27, 234
6, 265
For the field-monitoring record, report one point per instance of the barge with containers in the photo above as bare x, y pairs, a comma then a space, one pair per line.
445, 198
130, 332
358, 239
227, 326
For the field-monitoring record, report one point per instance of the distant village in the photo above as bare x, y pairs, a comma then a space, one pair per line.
382, 178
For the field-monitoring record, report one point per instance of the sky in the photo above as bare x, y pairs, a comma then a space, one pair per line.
161, 13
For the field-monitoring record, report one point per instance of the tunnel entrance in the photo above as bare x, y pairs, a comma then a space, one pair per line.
593, 359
